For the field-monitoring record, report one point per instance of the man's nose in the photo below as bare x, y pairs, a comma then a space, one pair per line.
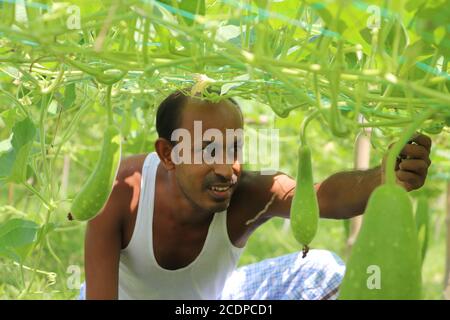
228, 171
224, 170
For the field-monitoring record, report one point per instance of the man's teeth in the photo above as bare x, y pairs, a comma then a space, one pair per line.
220, 189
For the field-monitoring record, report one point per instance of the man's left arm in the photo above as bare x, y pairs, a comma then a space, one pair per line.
345, 194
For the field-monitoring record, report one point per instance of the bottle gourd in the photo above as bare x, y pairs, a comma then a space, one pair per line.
305, 207
384, 263
95, 192
422, 225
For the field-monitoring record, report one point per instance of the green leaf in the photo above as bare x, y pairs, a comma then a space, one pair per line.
53, 107
9, 118
228, 32
24, 132
5, 145
13, 164
17, 237
22, 143
228, 86
6, 164
439, 34
45, 230
69, 95
17, 233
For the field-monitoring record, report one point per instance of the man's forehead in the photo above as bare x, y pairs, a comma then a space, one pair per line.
221, 115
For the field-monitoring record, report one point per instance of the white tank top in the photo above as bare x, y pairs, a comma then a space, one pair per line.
141, 277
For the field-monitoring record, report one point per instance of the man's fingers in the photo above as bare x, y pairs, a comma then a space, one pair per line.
419, 167
422, 140
410, 179
413, 151
413, 162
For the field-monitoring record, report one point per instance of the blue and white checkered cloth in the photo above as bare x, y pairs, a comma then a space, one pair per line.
288, 277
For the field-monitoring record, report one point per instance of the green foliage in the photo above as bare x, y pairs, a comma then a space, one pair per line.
16, 238
13, 162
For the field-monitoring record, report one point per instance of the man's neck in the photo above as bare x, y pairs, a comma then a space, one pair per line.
178, 207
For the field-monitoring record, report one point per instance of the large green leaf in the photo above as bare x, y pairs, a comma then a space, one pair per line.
17, 237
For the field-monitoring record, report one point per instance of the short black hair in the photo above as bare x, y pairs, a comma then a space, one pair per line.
168, 116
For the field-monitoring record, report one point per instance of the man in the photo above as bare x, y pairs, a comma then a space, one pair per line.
176, 230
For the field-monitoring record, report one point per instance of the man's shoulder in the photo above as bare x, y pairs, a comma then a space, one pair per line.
131, 165
124, 195
128, 181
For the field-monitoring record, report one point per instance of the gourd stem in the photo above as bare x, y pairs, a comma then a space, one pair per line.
55, 83
305, 123
47, 204
395, 150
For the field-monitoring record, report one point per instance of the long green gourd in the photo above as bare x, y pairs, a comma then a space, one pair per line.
95, 192
422, 225
305, 207
385, 263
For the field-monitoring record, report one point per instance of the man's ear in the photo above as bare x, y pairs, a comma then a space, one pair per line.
164, 149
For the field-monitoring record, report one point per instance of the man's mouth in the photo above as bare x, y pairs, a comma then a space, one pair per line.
220, 189
221, 192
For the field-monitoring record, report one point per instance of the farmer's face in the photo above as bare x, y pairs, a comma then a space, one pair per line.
210, 185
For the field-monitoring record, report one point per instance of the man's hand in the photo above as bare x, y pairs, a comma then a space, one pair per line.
412, 164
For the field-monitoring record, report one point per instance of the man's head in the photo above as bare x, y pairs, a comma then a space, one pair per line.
207, 186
